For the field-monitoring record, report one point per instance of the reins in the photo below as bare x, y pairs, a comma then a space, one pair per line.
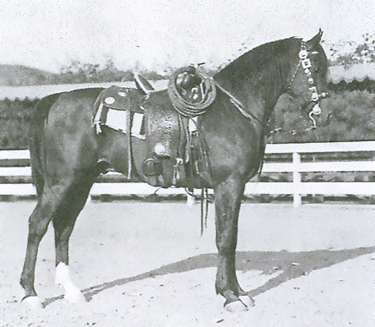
247, 114
241, 108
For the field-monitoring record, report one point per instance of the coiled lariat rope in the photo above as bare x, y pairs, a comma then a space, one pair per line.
192, 108
192, 92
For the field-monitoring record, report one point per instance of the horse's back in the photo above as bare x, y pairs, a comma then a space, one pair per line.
78, 102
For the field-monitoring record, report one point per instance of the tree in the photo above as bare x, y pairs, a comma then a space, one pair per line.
350, 52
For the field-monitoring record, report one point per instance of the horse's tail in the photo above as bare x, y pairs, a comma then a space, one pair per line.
36, 141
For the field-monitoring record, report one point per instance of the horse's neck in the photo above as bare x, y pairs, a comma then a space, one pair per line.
259, 89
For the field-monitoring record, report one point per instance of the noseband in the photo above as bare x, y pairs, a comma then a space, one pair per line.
305, 62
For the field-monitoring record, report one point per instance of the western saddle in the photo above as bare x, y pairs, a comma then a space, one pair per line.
176, 150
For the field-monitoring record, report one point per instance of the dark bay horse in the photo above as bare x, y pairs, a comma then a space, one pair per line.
67, 155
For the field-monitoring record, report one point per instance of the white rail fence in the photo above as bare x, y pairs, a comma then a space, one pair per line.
294, 166
40, 91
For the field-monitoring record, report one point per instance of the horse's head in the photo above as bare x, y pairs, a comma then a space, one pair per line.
308, 83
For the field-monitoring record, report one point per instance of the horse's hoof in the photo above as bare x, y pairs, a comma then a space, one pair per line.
247, 300
236, 306
74, 295
32, 303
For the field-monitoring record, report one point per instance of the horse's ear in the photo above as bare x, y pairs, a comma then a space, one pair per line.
315, 41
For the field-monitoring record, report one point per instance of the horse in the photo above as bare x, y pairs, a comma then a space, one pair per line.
68, 155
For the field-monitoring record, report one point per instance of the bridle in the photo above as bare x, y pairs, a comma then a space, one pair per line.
305, 63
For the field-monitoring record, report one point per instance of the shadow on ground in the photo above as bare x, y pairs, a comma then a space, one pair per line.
292, 264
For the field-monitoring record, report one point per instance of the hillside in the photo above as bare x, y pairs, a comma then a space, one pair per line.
18, 75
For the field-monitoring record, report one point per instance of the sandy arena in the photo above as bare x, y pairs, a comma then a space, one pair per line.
145, 264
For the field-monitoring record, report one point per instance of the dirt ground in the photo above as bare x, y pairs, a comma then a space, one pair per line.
145, 264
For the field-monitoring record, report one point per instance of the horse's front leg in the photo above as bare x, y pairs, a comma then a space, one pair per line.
228, 196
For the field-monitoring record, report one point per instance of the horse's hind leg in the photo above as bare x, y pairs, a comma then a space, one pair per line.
62, 203
38, 224
228, 196
63, 223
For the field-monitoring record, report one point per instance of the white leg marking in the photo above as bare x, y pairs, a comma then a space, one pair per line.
248, 301
72, 292
236, 306
32, 303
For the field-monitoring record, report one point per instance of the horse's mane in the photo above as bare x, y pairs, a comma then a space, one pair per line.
257, 60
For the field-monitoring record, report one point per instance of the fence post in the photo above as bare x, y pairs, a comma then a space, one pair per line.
297, 198
190, 200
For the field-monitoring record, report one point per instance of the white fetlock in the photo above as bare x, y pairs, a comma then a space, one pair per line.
62, 274
72, 292
32, 303
236, 306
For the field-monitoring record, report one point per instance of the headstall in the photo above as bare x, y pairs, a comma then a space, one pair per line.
305, 62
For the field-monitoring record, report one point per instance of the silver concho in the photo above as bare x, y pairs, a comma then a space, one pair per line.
110, 100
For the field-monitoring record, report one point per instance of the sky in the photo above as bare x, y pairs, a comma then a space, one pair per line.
157, 34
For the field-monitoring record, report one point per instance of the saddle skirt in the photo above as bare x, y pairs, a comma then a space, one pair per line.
175, 155
119, 108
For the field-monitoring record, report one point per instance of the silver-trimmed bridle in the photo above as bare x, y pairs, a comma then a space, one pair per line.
305, 63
